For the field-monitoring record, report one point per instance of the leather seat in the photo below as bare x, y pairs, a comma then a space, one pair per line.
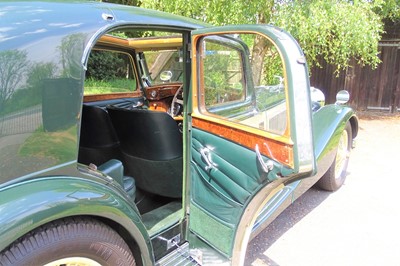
98, 140
151, 146
115, 169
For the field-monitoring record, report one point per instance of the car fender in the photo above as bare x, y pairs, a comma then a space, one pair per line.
328, 124
30, 204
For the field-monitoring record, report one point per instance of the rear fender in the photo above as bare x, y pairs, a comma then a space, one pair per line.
28, 205
328, 124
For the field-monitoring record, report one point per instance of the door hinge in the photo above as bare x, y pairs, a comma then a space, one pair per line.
189, 125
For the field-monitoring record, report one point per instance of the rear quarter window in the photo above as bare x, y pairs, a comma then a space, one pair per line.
109, 72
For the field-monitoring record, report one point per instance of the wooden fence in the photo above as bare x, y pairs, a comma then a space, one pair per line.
370, 89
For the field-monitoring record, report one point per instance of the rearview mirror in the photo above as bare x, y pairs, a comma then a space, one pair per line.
342, 97
166, 75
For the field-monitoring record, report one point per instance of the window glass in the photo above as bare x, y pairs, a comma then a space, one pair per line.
269, 85
164, 66
223, 81
109, 72
243, 81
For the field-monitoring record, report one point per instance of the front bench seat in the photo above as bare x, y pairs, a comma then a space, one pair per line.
151, 146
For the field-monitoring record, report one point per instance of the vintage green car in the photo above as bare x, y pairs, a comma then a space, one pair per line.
134, 137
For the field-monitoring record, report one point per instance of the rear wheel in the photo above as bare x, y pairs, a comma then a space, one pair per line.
69, 242
336, 174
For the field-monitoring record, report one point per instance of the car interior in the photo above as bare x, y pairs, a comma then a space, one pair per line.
131, 124
132, 114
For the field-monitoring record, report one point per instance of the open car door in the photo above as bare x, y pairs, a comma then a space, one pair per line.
250, 132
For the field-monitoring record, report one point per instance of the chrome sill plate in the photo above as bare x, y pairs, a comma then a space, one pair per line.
178, 257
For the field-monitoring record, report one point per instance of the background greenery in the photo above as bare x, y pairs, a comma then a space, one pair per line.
336, 30
109, 72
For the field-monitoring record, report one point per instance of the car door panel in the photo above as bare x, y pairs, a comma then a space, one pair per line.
227, 175
238, 154
205, 194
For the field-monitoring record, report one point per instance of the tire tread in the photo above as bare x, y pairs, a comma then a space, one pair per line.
58, 232
328, 181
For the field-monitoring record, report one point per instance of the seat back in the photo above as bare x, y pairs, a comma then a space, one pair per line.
98, 140
151, 146
147, 134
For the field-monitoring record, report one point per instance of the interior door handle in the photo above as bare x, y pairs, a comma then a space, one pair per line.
206, 155
266, 166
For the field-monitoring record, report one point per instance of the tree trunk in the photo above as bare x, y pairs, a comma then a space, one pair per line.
257, 58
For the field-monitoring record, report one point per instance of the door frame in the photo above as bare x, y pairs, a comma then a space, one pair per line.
299, 141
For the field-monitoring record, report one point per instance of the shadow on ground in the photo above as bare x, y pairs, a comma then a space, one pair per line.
257, 251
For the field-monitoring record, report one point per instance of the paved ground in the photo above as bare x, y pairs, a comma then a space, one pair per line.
357, 225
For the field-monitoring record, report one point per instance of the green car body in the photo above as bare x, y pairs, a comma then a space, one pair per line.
44, 53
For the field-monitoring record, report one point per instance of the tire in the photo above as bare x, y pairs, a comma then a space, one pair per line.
66, 242
334, 178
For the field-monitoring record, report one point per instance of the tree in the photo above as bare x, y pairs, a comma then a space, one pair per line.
71, 49
387, 9
31, 92
337, 30
105, 66
40, 71
13, 65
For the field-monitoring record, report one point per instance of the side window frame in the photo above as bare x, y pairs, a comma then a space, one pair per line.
225, 110
133, 68
249, 101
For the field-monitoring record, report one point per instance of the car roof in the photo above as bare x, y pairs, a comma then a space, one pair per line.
30, 20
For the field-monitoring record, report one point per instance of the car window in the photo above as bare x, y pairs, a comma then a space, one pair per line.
223, 74
164, 66
109, 72
250, 94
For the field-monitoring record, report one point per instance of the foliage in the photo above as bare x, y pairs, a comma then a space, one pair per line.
387, 9
335, 30
222, 75
104, 65
217, 12
31, 95
13, 67
93, 86
39, 72
109, 72
71, 49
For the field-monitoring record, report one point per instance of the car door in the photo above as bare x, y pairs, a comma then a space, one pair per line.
249, 125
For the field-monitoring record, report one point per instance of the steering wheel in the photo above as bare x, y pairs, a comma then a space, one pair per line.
176, 108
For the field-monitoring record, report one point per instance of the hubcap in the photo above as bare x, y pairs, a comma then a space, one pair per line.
74, 261
342, 154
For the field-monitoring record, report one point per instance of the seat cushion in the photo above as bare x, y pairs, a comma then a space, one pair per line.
115, 169
130, 186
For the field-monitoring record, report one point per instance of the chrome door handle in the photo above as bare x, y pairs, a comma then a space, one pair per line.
206, 155
266, 166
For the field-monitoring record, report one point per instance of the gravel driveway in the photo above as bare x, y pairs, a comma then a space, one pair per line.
357, 225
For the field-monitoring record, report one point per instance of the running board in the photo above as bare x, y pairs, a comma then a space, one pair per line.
179, 257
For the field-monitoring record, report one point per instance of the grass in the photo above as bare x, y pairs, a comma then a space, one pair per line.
60, 145
93, 86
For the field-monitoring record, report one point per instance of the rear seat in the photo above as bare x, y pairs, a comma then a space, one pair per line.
115, 169
99, 145
98, 140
